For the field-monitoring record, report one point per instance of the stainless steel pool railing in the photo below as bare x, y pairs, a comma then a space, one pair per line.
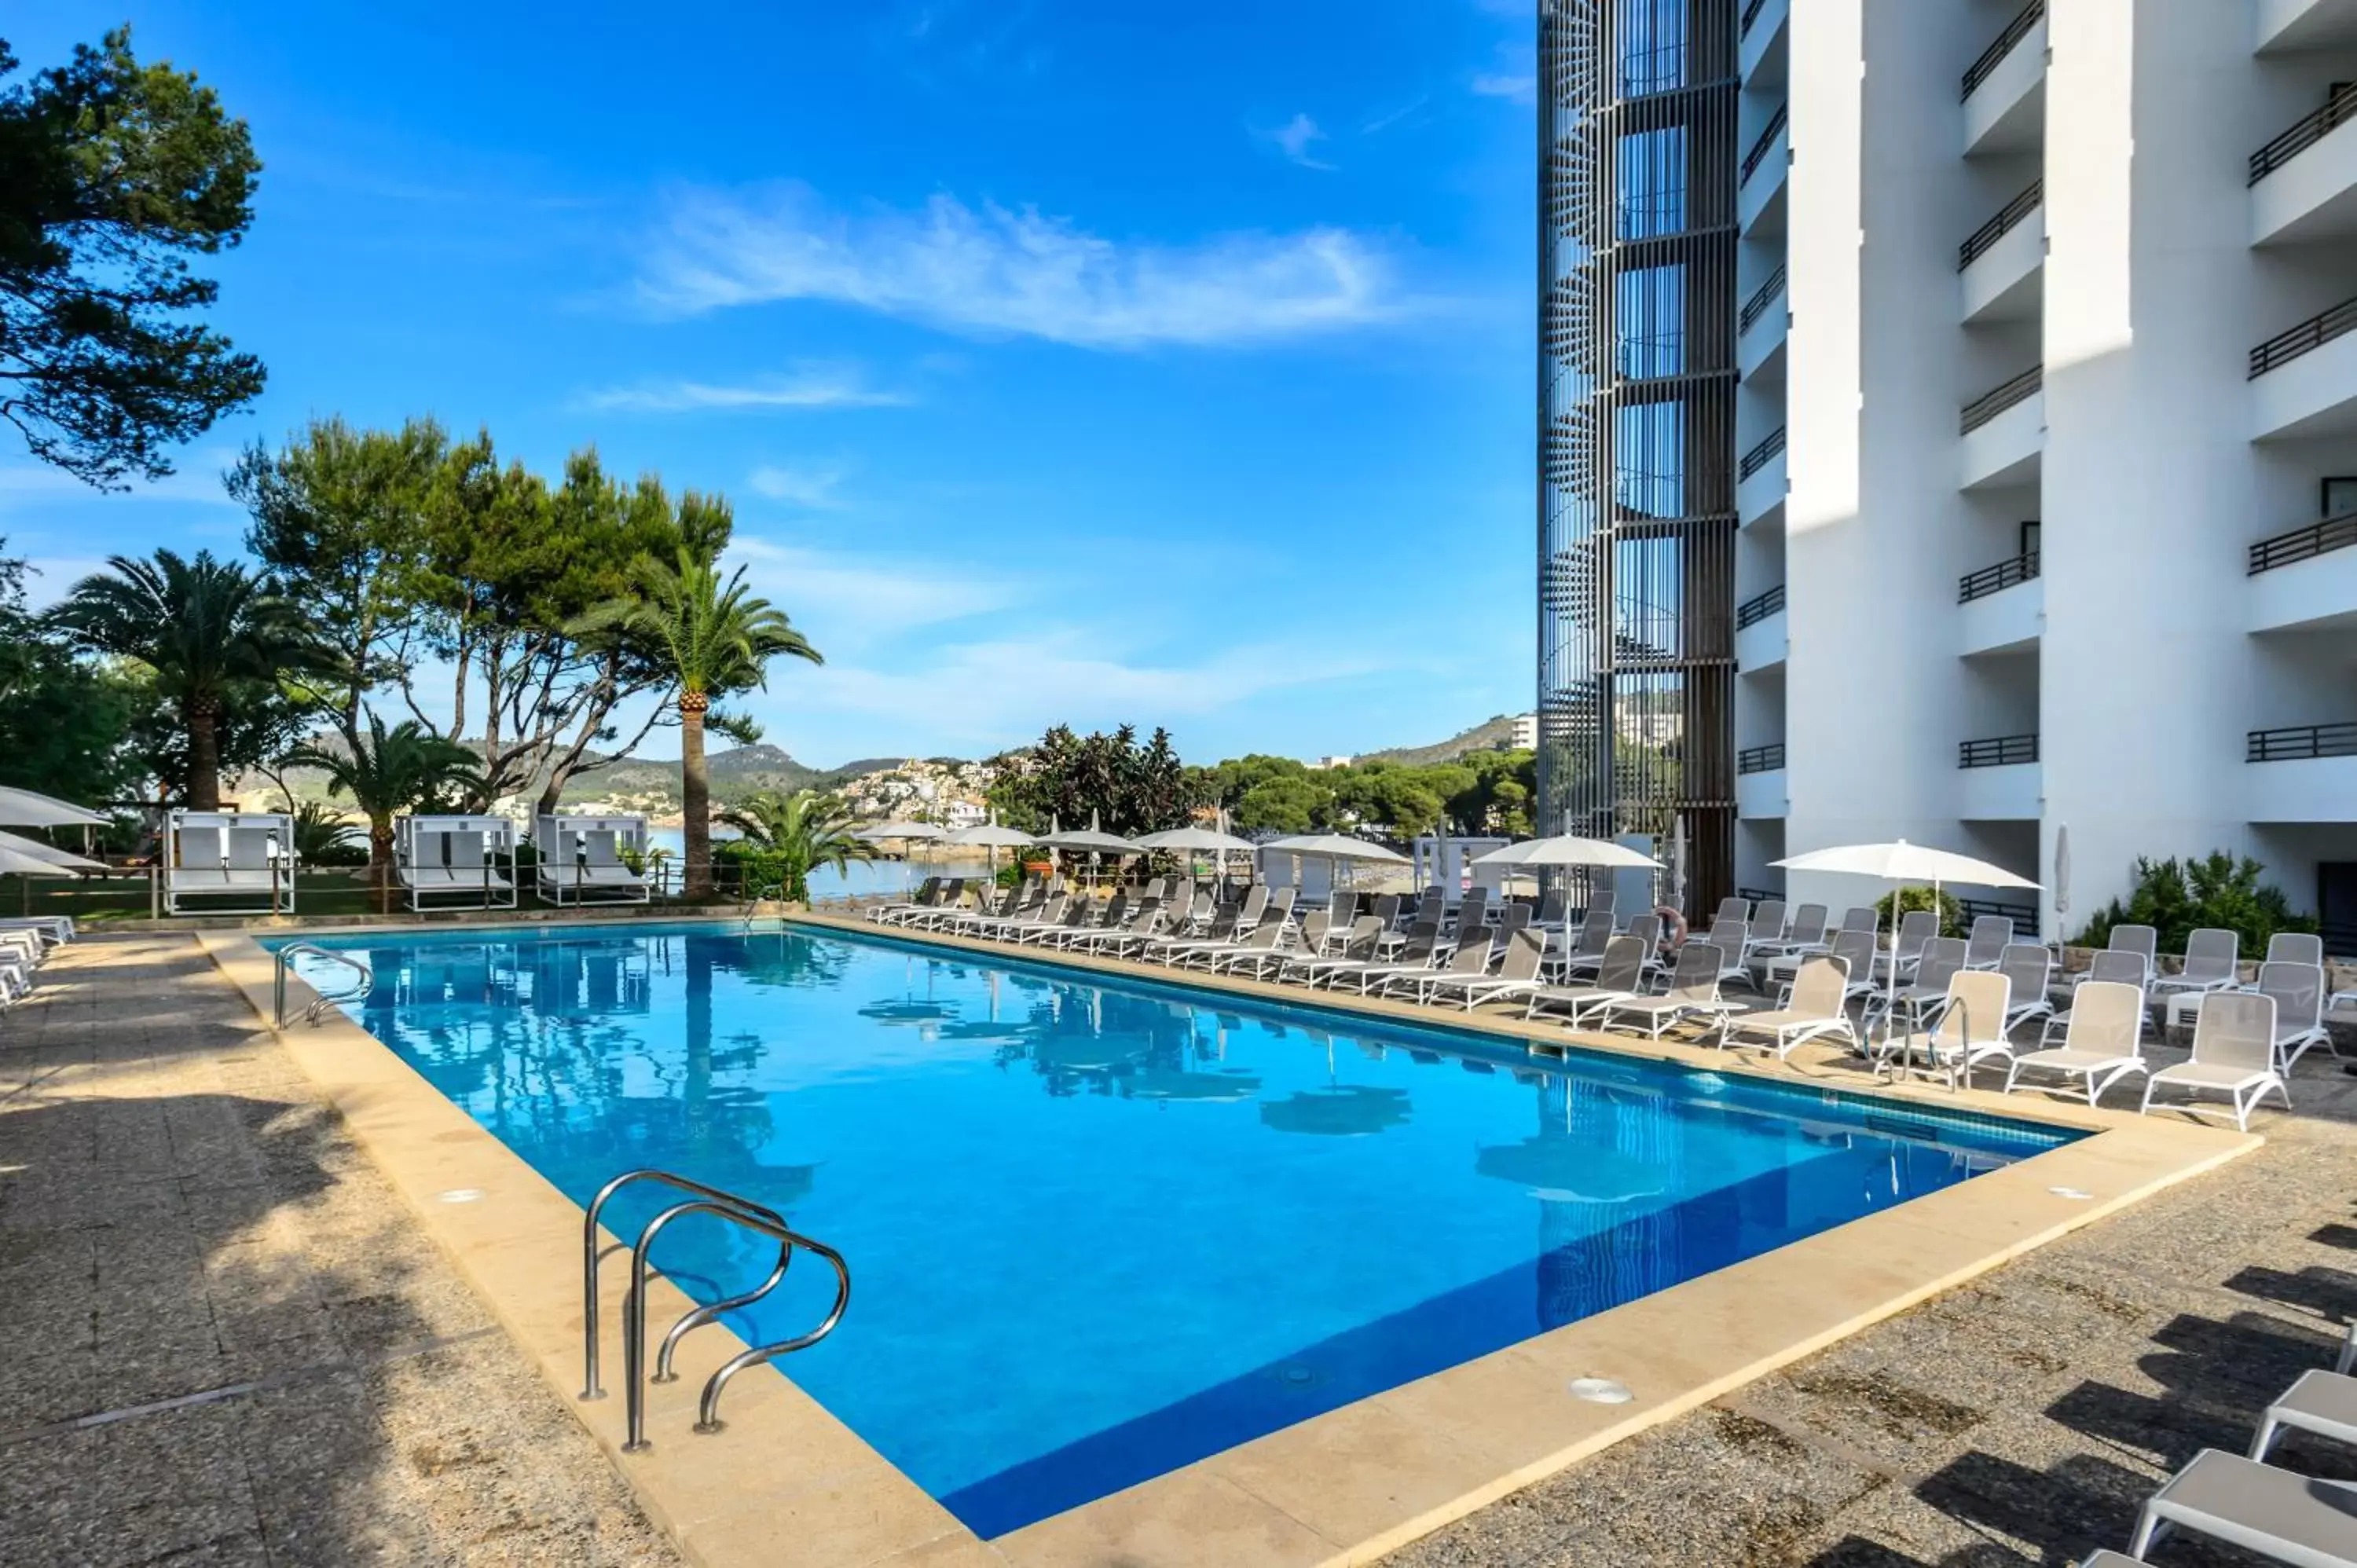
721, 1205
323, 1001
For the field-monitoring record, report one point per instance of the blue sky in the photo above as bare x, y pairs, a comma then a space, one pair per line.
1062, 363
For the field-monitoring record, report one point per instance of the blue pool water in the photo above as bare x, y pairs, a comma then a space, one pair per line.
1100, 1229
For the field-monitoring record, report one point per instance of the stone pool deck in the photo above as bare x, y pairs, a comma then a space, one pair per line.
285, 1369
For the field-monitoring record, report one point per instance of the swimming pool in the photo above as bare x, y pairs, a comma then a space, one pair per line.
1100, 1229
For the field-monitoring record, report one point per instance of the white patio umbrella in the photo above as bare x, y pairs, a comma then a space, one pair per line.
991, 836
31, 809
1336, 847
64, 859
1091, 838
1900, 863
1568, 849
901, 829
1191, 839
16, 862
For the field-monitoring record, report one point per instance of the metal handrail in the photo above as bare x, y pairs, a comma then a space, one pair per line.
1759, 455
1989, 580
1760, 759
1997, 751
2007, 219
1756, 305
1758, 607
2312, 334
1993, 56
322, 1001
1759, 152
2301, 743
2339, 108
2304, 543
1989, 404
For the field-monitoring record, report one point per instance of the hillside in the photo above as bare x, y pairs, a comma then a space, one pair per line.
736, 773
1486, 735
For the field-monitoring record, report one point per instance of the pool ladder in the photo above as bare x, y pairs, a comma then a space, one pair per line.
739, 1211
323, 1001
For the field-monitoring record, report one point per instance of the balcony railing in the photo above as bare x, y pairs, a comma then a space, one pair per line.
1759, 152
2341, 106
1753, 611
1760, 456
2004, 223
1760, 758
2023, 916
2301, 743
1995, 579
2304, 543
2314, 333
2021, 388
1998, 751
1762, 298
1750, 15
1993, 56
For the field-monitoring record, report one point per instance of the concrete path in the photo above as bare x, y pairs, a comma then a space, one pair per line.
226, 1342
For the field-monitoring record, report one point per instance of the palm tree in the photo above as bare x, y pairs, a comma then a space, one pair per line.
714, 638
204, 627
406, 769
802, 831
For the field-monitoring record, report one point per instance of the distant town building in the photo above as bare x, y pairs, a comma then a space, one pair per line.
1525, 735
1324, 763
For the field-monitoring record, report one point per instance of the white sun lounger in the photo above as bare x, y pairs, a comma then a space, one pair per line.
2113, 967
2213, 962
1618, 977
1985, 943
2030, 969
1359, 944
1692, 994
2102, 1043
1518, 975
1471, 957
2319, 1401
1971, 1029
2234, 1055
2299, 992
1818, 1006
2279, 1514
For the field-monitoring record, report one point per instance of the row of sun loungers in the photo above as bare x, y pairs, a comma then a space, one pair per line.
25, 944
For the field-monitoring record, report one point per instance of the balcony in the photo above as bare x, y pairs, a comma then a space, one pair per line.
2003, 607
2304, 183
1760, 482
1999, 779
1761, 179
1760, 633
2005, 433
2304, 381
2287, 26
2310, 777
1760, 792
2306, 578
2002, 265
2005, 90
1762, 50
1762, 328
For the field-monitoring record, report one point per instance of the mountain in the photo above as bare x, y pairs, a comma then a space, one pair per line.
736, 773
1488, 736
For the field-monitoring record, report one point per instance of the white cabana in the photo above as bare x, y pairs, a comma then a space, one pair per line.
466, 861
233, 862
581, 859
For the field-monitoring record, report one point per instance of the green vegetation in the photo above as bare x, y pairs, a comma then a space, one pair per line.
66, 719
1891, 905
1129, 787
1485, 792
393, 772
2177, 900
112, 175
787, 837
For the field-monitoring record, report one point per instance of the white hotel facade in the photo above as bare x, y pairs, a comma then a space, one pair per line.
2045, 424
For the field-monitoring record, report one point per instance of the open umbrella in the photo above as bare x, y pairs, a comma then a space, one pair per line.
1568, 849
31, 809
16, 862
64, 859
1198, 841
1336, 847
902, 829
1900, 863
989, 835
1091, 838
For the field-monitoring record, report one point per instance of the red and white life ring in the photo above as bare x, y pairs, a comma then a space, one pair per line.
1674, 925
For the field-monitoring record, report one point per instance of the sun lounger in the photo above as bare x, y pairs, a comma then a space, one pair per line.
1471, 957
1734, 908
1692, 994
2298, 992
1263, 947
1413, 959
1971, 1028
2213, 962
1518, 974
2347, 1356
889, 914
1586, 947
1618, 977
1923, 1001
1358, 947
2102, 1041
2280, 1515
2110, 967
1916, 929
1767, 925
948, 904
1804, 933
1985, 943
2234, 1055
2143, 942
1729, 938
2030, 969
1818, 1006
2296, 947
2319, 1401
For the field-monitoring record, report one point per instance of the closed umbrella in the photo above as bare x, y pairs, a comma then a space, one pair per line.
2062, 879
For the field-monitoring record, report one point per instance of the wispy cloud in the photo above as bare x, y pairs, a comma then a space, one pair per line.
1293, 139
856, 599
997, 272
1389, 117
809, 386
798, 487
1516, 77
197, 478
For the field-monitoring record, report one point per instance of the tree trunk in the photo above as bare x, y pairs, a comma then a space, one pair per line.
204, 753
380, 862
694, 798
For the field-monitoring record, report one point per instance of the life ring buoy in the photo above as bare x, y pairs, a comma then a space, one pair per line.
1674, 925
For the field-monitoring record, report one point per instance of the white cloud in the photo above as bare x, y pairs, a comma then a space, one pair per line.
197, 478
808, 386
840, 601
1293, 139
1521, 89
812, 488
1389, 117
998, 272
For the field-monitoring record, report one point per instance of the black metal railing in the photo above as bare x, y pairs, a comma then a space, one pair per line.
1757, 894
1993, 56
1750, 15
1760, 758
1759, 152
2339, 108
2299, 743
1998, 751
1753, 611
1760, 456
2023, 916
2314, 333
2304, 543
1762, 298
1987, 406
2004, 223
1995, 579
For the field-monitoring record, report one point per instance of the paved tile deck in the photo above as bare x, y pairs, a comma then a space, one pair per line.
191, 1245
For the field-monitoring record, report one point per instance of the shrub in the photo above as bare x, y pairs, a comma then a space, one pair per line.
2177, 900
1952, 913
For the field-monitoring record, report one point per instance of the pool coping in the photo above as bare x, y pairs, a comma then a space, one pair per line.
1340, 1488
